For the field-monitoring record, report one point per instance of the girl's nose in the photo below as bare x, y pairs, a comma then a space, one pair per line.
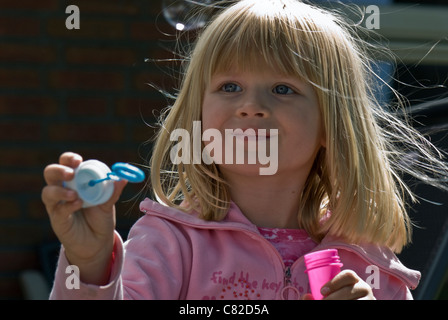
252, 107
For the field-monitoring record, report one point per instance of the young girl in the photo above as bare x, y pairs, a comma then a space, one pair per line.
222, 230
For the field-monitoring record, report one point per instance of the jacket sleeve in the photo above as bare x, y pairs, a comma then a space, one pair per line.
67, 284
152, 264
157, 262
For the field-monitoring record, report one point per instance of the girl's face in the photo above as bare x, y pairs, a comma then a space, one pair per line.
266, 99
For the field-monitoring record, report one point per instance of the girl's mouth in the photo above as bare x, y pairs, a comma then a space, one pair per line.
253, 134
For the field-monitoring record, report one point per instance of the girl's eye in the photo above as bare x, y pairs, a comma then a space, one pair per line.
231, 87
282, 89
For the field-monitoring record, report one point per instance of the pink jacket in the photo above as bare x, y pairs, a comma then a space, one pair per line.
173, 255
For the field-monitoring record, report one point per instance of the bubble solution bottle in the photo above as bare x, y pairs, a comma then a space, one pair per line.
94, 180
321, 267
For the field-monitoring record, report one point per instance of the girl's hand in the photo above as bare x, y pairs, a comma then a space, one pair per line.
346, 285
87, 234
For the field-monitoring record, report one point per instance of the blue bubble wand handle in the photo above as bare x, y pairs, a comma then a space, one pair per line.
121, 171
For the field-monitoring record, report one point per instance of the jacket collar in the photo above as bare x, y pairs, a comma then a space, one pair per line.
233, 219
382, 257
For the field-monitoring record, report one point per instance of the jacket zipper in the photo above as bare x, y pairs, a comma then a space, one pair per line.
286, 269
287, 279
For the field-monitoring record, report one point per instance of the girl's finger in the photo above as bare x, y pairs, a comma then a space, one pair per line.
343, 279
53, 195
70, 159
56, 174
346, 285
359, 290
307, 296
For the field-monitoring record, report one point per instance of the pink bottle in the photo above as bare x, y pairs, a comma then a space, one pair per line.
321, 267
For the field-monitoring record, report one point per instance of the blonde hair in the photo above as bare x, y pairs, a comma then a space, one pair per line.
356, 176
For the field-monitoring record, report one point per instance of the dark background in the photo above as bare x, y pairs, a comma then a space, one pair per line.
71, 90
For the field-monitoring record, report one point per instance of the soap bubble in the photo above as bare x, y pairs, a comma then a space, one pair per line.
184, 14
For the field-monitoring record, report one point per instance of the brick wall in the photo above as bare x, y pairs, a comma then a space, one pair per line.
81, 90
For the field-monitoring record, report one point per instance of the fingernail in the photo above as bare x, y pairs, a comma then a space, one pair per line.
324, 291
71, 194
